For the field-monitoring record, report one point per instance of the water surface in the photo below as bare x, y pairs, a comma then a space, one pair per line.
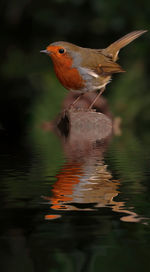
74, 203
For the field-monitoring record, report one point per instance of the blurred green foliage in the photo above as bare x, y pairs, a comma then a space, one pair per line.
27, 77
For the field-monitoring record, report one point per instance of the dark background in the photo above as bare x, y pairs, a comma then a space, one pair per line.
30, 91
32, 163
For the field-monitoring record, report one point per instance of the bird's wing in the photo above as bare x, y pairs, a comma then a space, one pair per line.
108, 68
101, 64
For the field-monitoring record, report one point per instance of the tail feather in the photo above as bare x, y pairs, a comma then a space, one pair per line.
113, 49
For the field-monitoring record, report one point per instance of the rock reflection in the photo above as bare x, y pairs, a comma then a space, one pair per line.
85, 182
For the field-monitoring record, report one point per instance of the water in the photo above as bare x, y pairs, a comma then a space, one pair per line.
75, 203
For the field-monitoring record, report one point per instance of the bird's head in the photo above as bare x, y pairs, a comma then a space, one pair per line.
63, 52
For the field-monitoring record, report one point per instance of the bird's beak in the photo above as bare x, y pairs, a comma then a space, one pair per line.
45, 51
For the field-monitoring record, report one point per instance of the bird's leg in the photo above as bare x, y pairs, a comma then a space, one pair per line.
99, 94
76, 100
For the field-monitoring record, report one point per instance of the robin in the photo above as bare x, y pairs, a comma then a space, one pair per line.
85, 70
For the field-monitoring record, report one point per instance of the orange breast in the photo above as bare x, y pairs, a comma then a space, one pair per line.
69, 77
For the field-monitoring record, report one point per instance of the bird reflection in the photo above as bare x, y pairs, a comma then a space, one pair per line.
85, 182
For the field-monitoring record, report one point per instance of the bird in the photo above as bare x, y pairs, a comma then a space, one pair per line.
85, 70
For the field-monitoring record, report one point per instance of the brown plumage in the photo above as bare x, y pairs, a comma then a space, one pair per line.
113, 49
84, 69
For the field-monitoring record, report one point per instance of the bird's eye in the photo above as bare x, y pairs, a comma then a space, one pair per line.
61, 50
